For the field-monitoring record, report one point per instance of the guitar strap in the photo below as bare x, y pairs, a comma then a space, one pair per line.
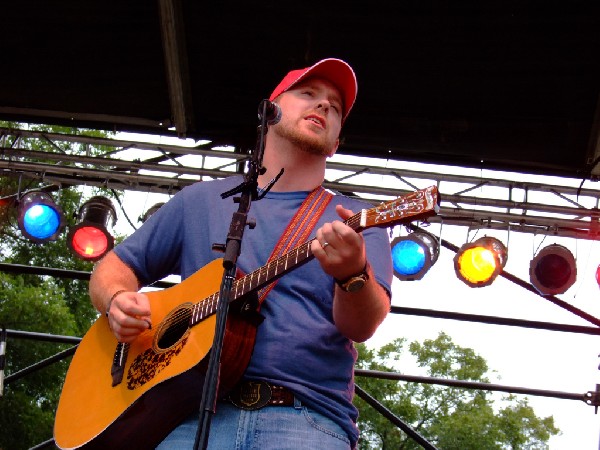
299, 229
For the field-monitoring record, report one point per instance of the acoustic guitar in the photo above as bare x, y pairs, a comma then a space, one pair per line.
125, 396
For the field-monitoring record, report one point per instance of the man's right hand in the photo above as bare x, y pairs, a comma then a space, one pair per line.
129, 315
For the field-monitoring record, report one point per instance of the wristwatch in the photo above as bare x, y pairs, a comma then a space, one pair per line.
355, 283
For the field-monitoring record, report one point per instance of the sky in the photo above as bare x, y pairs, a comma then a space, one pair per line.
521, 357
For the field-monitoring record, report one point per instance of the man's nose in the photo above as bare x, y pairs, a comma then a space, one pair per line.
324, 104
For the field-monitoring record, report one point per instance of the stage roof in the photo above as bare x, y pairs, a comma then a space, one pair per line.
496, 84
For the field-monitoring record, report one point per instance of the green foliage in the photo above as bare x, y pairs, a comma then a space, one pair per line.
29, 403
449, 418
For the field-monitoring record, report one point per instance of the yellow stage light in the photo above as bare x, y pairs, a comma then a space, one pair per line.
478, 264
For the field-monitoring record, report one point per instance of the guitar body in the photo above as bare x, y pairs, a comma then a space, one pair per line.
160, 386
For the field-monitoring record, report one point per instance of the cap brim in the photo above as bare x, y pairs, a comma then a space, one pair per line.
336, 71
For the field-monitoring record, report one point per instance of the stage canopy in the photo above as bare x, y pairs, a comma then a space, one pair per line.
496, 84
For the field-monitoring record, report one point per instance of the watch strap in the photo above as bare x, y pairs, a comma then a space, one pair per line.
362, 275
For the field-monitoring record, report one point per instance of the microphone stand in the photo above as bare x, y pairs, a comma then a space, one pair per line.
248, 190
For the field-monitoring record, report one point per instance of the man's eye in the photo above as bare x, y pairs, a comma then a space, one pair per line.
337, 108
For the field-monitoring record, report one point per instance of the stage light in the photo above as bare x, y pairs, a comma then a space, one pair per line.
39, 218
478, 263
414, 254
149, 212
553, 270
90, 239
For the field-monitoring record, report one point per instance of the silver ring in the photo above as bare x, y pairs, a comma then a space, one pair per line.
324, 244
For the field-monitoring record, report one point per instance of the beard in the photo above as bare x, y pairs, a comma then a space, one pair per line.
313, 145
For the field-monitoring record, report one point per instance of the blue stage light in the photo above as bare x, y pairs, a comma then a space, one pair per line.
408, 257
413, 255
39, 218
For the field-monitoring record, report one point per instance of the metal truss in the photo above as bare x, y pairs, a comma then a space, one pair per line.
467, 200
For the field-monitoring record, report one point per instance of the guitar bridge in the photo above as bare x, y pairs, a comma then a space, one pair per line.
118, 367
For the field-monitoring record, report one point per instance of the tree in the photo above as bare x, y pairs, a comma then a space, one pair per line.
28, 405
38, 304
449, 418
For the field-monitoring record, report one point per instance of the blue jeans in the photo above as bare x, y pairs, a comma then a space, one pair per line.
269, 428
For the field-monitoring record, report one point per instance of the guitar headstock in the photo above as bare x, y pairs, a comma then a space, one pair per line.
412, 206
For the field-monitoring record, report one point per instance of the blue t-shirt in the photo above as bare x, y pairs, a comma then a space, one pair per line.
298, 345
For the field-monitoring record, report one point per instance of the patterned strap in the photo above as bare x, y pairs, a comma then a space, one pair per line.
299, 229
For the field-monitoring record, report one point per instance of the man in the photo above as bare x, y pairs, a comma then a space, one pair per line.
304, 346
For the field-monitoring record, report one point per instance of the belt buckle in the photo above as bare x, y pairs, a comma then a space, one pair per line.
250, 395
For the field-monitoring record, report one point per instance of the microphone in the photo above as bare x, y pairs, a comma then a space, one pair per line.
271, 110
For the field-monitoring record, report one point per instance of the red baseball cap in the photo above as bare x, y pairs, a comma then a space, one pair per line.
338, 72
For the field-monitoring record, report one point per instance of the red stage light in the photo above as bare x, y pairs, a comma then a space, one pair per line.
90, 239
89, 242
553, 270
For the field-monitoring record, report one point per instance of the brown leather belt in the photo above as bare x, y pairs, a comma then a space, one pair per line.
253, 394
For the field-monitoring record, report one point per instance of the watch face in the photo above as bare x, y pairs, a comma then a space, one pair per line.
355, 284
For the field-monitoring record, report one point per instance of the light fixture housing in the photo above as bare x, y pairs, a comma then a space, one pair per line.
414, 254
553, 270
150, 211
478, 263
89, 239
39, 218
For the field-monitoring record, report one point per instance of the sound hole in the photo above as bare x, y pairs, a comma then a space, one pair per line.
173, 328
